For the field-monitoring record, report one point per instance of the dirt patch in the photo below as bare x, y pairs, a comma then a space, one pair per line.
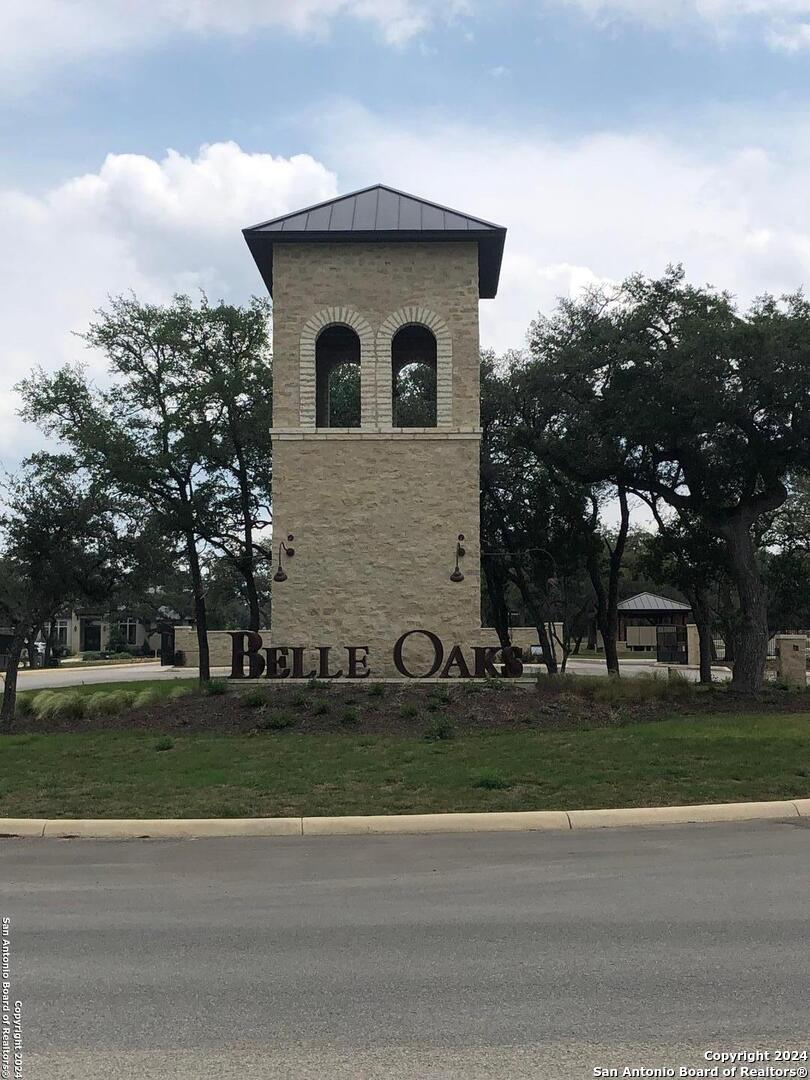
407, 710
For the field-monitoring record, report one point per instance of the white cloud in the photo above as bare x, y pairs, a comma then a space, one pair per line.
155, 227
783, 23
578, 211
600, 207
39, 36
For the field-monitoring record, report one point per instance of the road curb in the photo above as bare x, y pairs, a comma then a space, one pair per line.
369, 825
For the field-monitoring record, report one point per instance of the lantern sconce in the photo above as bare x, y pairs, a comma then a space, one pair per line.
280, 574
460, 553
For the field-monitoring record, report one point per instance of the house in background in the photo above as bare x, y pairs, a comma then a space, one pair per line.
641, 616
90, 630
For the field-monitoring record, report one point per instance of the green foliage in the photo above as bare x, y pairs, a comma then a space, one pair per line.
350, 716
612, 691
320, 707
102, 703
165, 743
440, 729
144, 699
24, 705
491, 780
277, 720
255, 697
376, 689
344, 396
216, 687
89, 657
179, 692
408, 711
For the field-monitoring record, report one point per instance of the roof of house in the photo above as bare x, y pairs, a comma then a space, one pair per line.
379, 213
647, 601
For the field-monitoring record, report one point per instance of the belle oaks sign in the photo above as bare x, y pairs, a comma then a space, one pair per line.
251, 659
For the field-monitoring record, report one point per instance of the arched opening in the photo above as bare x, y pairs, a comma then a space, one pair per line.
413, 369
337, 378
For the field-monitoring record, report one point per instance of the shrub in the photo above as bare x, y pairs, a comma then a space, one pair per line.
164, 744
101, 703
320, 708
408, 711
254, 698
637, 689
440, 729
41, 704
24, 705
69, 705
438, 698
59, 705
377, 689
350, 716
87, 656
299, 701
144, 698
179, 691
277, 720
490, 780
216, 687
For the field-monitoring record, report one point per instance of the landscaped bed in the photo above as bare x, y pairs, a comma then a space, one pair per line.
164, 750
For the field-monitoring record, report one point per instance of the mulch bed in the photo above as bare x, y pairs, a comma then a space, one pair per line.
407, 710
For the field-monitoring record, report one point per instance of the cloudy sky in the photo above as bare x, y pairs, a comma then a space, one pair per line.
137, 137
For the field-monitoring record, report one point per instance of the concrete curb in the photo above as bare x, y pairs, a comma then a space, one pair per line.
527, 821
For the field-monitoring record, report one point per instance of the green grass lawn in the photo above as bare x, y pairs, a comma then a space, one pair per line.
671, 761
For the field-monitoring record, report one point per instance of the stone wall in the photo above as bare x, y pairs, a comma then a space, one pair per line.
375, 288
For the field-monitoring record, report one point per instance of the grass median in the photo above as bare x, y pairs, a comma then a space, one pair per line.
432, 763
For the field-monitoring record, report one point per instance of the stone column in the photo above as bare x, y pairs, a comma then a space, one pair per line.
791, 660
692, 645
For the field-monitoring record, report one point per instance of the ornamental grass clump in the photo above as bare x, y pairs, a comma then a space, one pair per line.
24, 705
108, 703
216, 687
254, 698
440, 729
58, 705
145, 698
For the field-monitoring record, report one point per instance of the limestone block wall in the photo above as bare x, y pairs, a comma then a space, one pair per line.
375, 288
376, 522
791, 653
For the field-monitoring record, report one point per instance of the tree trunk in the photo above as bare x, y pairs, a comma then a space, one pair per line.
546, 647
496, 581
751, 638
200, 617
607, 600
252, 597
248, 560
10, 681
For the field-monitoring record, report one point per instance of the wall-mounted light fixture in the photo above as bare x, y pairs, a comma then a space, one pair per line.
280, 575
460, 553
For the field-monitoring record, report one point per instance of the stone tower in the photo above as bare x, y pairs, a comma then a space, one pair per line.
375, 296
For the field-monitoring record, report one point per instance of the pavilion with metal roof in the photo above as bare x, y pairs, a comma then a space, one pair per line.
642, 618
379, 214
647, 601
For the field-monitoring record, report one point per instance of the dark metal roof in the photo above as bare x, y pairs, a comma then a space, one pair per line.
375, 214
647, 601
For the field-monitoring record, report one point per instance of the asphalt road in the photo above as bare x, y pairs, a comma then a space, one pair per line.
77, 676
488, 955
